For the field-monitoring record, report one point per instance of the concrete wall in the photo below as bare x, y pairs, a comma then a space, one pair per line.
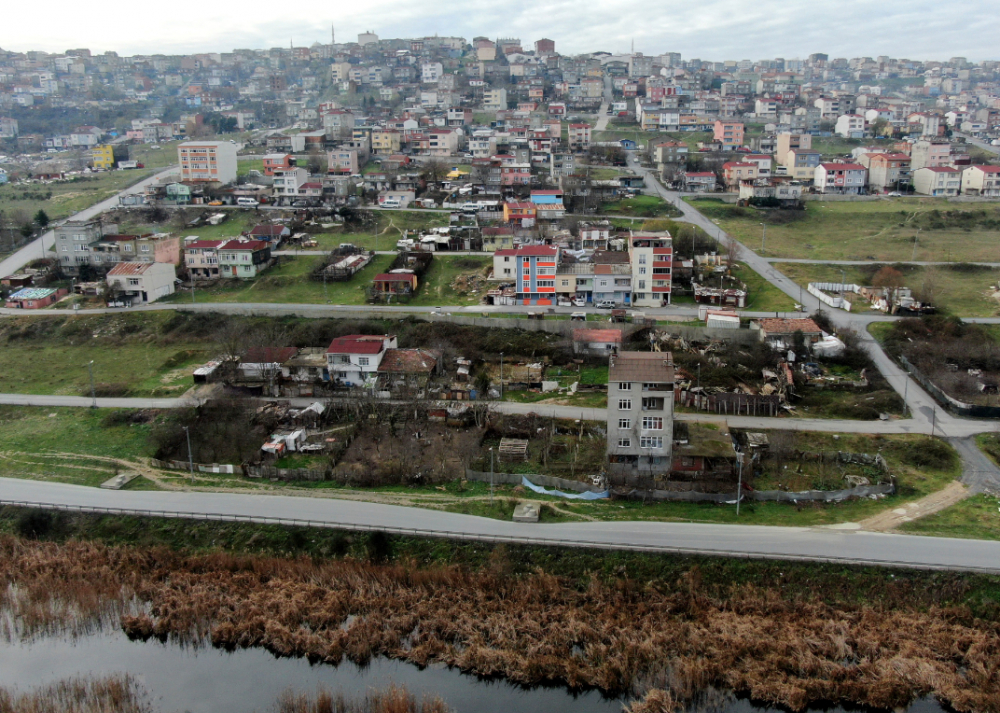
957, 407
819, 290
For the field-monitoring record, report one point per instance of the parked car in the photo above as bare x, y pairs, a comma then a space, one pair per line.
579, 302
248, 202
605, 304
215, 202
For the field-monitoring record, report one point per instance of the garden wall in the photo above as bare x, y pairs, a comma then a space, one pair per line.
959, 408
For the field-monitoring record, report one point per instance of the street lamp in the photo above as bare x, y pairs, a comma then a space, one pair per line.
187, 433
763, 235
93, 393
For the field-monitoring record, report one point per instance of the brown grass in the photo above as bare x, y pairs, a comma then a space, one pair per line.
113, 694
619, 637
391, 700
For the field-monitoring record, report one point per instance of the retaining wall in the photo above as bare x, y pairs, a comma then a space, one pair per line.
199, 467
959, 408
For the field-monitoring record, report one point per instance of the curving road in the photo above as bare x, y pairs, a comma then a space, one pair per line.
791, 543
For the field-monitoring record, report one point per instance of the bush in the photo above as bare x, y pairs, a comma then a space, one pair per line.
929, 453
36, 524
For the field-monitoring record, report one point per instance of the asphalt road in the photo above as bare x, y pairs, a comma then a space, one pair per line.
40, 247
822, 544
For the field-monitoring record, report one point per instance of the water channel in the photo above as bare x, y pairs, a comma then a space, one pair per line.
207, 680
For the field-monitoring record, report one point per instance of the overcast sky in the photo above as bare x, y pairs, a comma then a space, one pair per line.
709, 29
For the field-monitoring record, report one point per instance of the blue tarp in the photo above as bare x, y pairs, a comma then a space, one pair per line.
572, 496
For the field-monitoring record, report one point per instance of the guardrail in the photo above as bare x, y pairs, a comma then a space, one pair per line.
496, 539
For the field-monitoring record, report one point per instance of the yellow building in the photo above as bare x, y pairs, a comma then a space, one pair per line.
103, 157
385, 141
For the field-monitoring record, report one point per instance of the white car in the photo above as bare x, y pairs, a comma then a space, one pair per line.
579, 302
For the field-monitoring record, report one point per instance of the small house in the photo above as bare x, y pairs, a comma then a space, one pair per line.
34, 297
598, 342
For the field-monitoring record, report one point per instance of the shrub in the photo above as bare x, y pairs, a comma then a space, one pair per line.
929, 453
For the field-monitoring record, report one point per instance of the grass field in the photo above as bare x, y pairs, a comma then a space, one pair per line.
975, 518
142, 369
66, 198
882, 230
762, 296
964, 292
640, 207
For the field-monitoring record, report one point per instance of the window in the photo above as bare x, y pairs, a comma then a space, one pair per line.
624, 404
642, 271
362, 361
625, 423
642, 258
144, 248
545, 283
652, 423
565, 283
133, 282
651, 442
624, 442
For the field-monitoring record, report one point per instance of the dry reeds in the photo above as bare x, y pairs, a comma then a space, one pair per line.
391, 700
529, 629
113, 694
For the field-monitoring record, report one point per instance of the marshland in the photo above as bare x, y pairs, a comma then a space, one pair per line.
614, 627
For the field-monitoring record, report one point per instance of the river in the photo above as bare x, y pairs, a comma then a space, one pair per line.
207, 680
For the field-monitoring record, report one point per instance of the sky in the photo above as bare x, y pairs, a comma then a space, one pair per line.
705, 29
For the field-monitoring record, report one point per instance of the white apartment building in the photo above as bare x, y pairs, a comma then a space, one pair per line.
651, 257
207, 161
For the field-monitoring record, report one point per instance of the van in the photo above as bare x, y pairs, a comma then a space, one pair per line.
605, 304
391, 203
249, 202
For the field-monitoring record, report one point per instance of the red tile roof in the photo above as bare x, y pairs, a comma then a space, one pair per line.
244, 245
396, 277
772, 325
537, 250
988, 169
130, 268
843, 166
607, 336
409, 361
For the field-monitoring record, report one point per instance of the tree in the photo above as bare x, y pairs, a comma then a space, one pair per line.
434, 171
891, 281
879, 126
41, 219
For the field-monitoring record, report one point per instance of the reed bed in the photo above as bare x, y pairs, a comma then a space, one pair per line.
392, 700
624, 636
112, 694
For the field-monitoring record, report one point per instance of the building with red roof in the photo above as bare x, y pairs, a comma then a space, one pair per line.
983, 181
243, 258
532, 269
354, 359
844, 178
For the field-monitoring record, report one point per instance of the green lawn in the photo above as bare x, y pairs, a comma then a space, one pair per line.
964, 292
640, 207
883, 230
69, 197
162, 157
236, 222
126, 369
762, 296
975, 518
244, 166
68, 445
438, 289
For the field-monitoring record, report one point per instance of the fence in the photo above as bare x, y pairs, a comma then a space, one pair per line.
199, 467
285, 474
819, 290
957, 407
860, 491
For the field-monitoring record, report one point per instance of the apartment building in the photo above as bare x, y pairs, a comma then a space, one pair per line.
495, 99
928, 153
343, 161
788, 142
651, 256
201, 258
579, 137
207, 161
353, 360
801, 164
386, 141
937, 181
533, 269
640, 414
103, 157
842, 178
886, 171
729, 133
981, 181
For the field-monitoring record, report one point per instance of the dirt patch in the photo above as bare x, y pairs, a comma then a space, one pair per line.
935, 502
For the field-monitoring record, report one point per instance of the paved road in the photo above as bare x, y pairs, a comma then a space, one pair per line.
732, 540
39, 248
808, 261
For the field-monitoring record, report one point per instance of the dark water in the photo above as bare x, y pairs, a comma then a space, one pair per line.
207, 680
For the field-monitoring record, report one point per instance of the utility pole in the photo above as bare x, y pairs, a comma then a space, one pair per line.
501, 376
739, 484
491, 476
325, 297
934, 419
913, 255
763, 236
699, 375
187, 433
93, 393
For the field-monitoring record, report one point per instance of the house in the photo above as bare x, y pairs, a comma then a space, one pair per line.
850, 126
243, 258
354, 359
548, 204
34, 297
729, 133
265, 363
981, 181
763, 161
800, 164
594, 236
394, 283
201, 258
277, 162
442, 142
522, 214
791, 142
272, 233
937, 181
501, 238
930, 153
533, 270
640, 414
141, 282
407, 370
844, 178
781, 333
343, 161
789, 193
598, 342
651, 256
207, 161
386, 141
699, 181
289, 181
666, 152
886, 171
736, 171
612, 278
579, 137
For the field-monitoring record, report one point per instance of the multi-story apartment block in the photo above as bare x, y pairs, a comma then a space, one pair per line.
288, 182
430, 72
579, 137
207, 161
533, 269
342, 161
651, 256
929, 153
729, 133
981, 181
850, 126
442, 142
73, 239
640, 415
845, 178
201, 258
801, 164
788, 141
386, 141
495, 99
937, 181
103, 157
886, 171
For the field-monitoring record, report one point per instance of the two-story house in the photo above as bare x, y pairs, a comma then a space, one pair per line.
886, 171
201, 258
354, 360
843, 178
141, 282
937, 181
640, 414
735, 171
243, 258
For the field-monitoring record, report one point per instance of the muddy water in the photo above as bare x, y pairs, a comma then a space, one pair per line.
207, 680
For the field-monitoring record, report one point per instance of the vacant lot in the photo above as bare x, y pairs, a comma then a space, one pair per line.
640, 207
64, 198
884, 230
963, 290
975, 518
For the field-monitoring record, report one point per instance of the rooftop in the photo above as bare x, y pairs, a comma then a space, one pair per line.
772, 325
358, 344
130, 268
607, 336
409, 361
651, 367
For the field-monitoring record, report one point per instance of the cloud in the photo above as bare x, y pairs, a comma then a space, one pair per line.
711, 29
